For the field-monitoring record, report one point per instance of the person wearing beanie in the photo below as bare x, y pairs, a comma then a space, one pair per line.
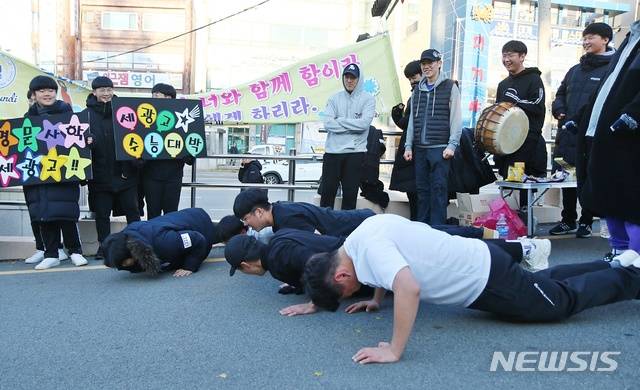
433, 134
577, 87
403, 174
161, 180
346, 118
114, 182
53, 207
609, 130
179, 241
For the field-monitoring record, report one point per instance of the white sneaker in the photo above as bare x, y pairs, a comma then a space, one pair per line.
626, 258
37, 257
78, 260
636, 262
47, 263
62, 255
538, 257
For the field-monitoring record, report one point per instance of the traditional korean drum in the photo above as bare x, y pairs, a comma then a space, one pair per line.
502, 128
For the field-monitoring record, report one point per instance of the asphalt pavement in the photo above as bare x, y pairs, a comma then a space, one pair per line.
96, 328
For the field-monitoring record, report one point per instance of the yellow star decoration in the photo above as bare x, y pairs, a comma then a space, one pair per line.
75, 165
52, 165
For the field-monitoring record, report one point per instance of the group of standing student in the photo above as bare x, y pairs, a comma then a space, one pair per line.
54, 208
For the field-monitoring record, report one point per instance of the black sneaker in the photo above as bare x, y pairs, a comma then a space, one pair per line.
564, 228
584, 231
99, 254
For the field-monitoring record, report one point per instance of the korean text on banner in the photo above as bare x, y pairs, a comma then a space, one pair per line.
300, 92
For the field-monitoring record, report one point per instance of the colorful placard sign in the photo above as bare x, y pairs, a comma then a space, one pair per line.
39, 150
158, 129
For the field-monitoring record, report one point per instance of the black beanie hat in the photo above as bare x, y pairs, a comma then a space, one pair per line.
164, 89
602, 29
42, 82
101, 82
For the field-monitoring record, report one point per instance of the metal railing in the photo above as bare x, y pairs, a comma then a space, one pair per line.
290, 186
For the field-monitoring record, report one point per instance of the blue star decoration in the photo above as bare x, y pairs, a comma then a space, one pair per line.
29, 166
371, 85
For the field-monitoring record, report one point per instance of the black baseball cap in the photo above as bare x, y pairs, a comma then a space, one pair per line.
352, 69
248, 199
242, 248
430, 55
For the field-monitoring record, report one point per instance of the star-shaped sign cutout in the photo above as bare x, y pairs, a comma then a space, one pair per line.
74, 132
51, 134
184, 119
75, 165
52, 165
7, 140
8, 169
27, 136
30, 166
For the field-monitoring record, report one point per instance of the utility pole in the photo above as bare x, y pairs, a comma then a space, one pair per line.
544, 53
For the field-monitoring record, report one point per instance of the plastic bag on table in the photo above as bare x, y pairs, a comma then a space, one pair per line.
498, 207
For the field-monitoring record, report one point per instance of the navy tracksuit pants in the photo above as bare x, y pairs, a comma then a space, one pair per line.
555, 293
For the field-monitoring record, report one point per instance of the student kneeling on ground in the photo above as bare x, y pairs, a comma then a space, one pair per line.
178, 241
417, 263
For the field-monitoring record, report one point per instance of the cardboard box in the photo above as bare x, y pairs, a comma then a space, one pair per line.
480, 203
466, 218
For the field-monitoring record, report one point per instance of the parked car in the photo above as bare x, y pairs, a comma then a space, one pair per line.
277, 172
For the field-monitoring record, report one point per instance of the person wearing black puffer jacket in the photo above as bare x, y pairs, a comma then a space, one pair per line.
162, 179
53, 207
403, 174
578, 85
114, 182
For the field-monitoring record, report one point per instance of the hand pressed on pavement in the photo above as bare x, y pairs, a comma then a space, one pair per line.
181, 273
381, 354
367, 306
295, 310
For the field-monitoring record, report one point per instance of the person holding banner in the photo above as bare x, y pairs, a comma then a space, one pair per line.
162, 179
347, 118
53, 207
114, 182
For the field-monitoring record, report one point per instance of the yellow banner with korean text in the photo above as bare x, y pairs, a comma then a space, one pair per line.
15, 76
299, 93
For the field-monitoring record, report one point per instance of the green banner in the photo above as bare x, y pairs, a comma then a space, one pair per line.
299, 93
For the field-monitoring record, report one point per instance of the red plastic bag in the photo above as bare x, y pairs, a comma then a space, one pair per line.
517, 228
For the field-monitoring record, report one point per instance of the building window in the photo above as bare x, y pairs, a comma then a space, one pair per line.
166, 22
502, 9
570, 17
527, 12
120, 21
413, 27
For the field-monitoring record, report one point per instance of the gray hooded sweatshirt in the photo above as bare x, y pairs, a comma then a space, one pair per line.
347, 118
455, 114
